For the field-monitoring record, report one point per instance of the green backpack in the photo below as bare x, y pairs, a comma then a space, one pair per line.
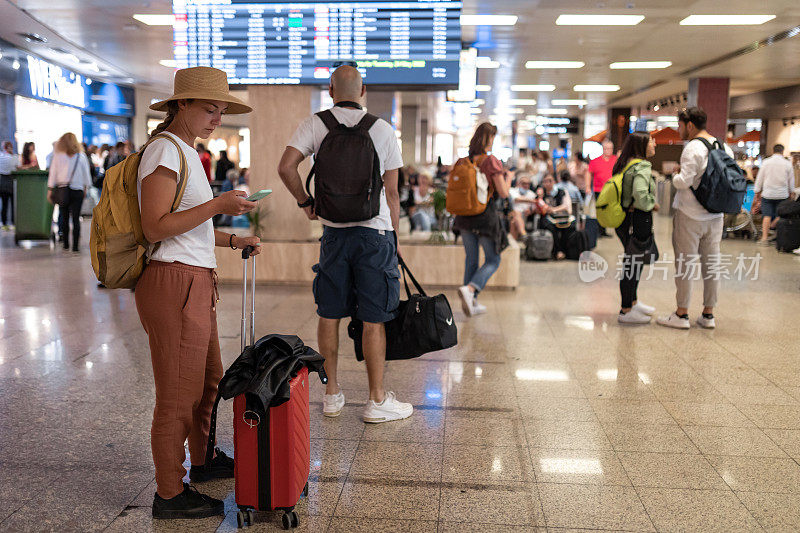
610, 212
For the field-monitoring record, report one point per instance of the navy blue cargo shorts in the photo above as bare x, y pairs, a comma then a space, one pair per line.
357, 275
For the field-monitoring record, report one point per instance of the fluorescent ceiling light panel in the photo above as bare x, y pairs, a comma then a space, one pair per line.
554, 64
522, 101
478, 101
483, 88
533, 88
508, 111
168, 63
569, 102
155, 20
725, 20
639, 64
596, 88
488, 20
552, 111
599, 20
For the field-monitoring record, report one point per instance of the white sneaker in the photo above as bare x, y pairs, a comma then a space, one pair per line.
467, 300
644, 309
633, 317
707, 323
386, 411
478, 309
332, 404
674, 321
796, 252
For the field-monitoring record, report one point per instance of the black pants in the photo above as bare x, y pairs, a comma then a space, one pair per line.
7, 200
70, 209
560, 235
642, 223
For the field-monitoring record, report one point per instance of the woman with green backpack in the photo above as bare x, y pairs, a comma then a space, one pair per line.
638, 199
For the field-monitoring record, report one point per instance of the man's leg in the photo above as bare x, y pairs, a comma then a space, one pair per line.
766, 223
374, 345
685, 243
328, 340
710, 258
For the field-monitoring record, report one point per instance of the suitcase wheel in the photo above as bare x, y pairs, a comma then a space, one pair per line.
289, 520
245, 518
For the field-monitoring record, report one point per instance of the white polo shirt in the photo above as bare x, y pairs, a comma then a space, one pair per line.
309, 136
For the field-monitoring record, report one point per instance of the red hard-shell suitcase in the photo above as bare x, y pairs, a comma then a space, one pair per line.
272, 449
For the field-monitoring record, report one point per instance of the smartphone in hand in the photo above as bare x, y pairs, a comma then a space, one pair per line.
259, 195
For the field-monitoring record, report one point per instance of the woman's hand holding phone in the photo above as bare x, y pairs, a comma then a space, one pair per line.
233, 203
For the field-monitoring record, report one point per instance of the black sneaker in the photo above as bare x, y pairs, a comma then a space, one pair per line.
221, 467
188, 504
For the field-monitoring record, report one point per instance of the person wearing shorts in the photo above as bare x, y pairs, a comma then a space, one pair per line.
357, 274
775, 183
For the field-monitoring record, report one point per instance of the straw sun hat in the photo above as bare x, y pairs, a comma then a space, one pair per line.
203, 83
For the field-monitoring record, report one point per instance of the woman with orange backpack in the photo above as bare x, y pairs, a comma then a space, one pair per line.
483, 226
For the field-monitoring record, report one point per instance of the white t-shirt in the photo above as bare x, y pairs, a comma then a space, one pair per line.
72, 170
196, 246
308, 138
775, 180
526, 194
694, 160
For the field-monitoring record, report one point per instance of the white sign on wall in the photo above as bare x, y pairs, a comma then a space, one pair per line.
51, 82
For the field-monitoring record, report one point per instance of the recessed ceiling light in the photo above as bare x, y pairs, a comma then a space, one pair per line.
483, 88
640, 64
552, 111
569, 102
554, 64
522, 101
596, 88
725, 20
15, 65
155, 20
533, 88
486, 62
488, 20
599, 20
167, 63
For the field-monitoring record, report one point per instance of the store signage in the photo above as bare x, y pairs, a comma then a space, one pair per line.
51, 82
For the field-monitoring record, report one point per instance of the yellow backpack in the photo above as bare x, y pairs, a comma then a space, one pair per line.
610, 213
468, 189
117, 245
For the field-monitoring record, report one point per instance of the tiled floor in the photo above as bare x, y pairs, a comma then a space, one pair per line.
548, 416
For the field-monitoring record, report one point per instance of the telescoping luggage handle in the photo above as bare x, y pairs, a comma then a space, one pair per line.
245, 256
212, 432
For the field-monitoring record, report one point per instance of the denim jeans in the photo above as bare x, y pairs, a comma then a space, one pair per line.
478, 277
422, 221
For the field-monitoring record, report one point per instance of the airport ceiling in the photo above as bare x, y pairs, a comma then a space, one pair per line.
103, 31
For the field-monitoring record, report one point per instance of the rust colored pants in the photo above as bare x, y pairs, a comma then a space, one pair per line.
177, 307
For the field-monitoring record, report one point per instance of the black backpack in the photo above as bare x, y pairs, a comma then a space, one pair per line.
723, 185
347, 172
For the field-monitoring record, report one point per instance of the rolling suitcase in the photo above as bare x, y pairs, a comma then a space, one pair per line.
272, 448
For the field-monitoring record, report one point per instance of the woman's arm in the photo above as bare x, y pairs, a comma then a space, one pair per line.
158, 192
644, 197
501, 186
226, 240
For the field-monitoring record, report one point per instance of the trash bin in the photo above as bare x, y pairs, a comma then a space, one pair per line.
33, 213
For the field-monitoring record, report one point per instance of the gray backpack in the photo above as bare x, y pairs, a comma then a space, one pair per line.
539, 245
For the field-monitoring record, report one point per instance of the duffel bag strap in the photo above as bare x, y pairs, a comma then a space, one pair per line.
212, 432
407, 274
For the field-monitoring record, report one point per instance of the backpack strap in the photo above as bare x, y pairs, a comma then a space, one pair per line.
182, 179
366, 122
328, 119
707, 143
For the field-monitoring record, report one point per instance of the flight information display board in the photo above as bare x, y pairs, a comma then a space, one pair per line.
277, 42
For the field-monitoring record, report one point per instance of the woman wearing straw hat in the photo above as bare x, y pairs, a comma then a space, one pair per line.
176, 295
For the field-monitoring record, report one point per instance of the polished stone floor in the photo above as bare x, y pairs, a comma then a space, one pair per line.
548, 416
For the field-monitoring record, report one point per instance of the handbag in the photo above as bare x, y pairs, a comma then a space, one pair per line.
61, 192
645, 251
423, 324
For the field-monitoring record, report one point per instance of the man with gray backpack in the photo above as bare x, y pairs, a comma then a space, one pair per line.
355, 173
708, 185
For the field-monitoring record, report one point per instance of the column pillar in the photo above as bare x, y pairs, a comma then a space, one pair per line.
384, 105
410, 134
712, 95
619, 119
277, 111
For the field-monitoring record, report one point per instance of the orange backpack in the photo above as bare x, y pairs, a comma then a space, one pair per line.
467, 188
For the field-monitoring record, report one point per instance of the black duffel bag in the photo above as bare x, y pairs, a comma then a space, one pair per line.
423, 324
